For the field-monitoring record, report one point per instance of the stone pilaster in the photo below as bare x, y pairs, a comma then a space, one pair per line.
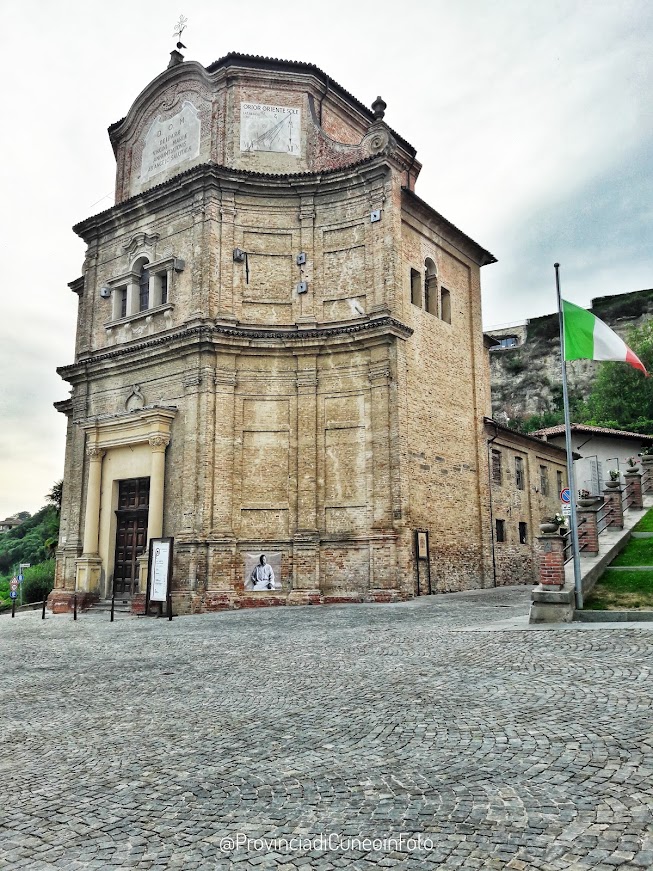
88, 567
190, 521
227, 273
307, 301
158, 444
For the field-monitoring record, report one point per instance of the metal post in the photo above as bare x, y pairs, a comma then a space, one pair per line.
13, 607
75, 607
113, 602
43, 610
578, 585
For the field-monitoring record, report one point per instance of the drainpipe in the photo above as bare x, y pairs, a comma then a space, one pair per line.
489, 480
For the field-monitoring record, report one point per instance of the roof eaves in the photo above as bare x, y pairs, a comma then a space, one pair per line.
489, 257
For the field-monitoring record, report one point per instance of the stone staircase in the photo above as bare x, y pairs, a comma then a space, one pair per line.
121, 606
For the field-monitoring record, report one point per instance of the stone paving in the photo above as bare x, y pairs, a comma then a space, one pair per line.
390, 733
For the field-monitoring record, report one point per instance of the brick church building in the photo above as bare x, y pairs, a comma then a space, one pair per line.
279, 351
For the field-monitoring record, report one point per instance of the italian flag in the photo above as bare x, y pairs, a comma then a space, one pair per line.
588, 338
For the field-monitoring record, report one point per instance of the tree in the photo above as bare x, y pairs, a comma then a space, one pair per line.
55, 495
621, 397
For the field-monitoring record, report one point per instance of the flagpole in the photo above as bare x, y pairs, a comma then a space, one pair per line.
578, 585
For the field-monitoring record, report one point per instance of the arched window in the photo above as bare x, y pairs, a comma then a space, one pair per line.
415, 288
144, 288
445, 305
430, 287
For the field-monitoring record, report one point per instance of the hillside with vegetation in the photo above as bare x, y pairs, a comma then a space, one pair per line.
34, 541
526, 379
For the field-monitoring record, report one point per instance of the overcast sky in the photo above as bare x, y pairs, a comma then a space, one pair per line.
532, 119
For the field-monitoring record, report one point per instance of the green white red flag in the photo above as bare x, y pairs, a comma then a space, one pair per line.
588, 338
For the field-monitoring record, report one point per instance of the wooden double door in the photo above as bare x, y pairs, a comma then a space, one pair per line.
131, 533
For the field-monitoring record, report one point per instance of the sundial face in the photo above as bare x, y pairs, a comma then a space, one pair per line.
270, 128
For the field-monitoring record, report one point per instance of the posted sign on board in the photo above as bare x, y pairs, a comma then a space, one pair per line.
160, 569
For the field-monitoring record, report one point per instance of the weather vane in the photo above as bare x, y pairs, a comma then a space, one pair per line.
179, 29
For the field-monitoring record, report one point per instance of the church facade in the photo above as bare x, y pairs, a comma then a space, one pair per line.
279, 353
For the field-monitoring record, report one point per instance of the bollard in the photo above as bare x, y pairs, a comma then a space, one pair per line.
43, 609
13, 607
75, 607
113, 602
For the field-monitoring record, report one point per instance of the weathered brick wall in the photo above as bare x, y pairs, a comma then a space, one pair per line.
514, 562
445, 490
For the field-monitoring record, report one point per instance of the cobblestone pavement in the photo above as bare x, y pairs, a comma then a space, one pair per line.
144, 744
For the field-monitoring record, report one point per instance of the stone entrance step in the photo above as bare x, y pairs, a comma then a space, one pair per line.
121, 606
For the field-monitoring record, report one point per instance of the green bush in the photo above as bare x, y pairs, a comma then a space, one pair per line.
38, 581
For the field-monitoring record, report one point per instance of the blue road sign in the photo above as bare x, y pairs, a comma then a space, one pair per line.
13, 594
565, 495
20, 578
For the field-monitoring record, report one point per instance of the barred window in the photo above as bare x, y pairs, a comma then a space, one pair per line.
496, 467
519, 473
559, 481
523, 533
544, 480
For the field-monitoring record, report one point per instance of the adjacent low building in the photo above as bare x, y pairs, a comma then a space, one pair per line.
527, 476
600, 450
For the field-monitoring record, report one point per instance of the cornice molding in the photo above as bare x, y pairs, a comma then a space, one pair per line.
289, 338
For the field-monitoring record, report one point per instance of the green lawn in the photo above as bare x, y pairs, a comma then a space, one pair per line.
622, 591
638, 552
646, 523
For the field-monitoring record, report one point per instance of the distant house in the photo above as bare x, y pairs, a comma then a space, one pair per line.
9, 524
601, 450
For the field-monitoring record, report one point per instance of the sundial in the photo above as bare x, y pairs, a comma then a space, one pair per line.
270, 128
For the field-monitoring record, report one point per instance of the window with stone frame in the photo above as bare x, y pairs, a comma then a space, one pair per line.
146, 288
520, 480
544, 480
415, 288
497, 472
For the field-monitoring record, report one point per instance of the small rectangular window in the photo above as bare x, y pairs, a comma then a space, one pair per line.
164, 288
501, 530
123, 302
559, 481
523, 533
496, 467
415, 288
445, 305
544, 480
519, 473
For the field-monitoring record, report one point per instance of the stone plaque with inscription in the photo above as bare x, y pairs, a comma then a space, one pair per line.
171, 142
270, 128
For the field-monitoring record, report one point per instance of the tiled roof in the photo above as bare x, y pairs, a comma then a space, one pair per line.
598, 430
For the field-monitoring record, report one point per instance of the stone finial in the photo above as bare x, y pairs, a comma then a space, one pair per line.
378, 107
176, 57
